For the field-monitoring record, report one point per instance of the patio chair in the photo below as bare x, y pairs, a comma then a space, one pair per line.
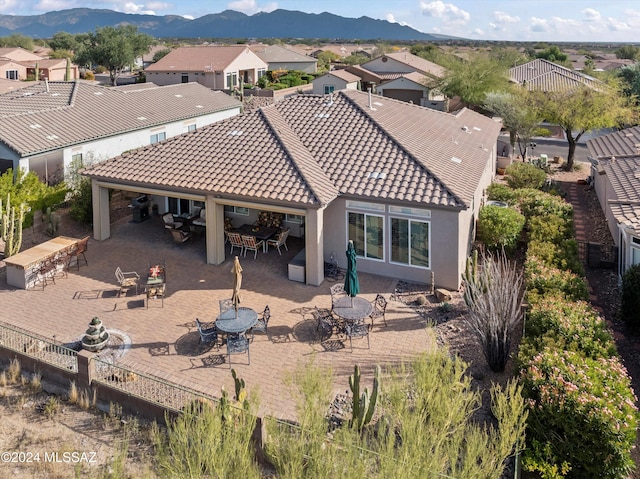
180, 236
263, 322
201, 220
280, 240
337, 291
47, 272
225, 305
250, 243
169, 223
208, 332
127, 280
236, 242
379, 308
326, 324
81, 249
357, 329
238, 344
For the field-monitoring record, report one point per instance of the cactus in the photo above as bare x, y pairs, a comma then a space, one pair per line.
239, 386
11, 228
53, 222
363, 404
470, 275
67, 71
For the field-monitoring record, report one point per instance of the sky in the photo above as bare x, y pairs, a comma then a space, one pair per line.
514, 20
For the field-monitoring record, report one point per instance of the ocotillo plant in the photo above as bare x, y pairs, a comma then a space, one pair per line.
11, 228
363, 404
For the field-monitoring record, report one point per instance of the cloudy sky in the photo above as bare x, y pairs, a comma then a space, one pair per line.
520, 20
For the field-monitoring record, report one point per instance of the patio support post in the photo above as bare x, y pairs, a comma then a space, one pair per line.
314, 246
101, 220
215, 231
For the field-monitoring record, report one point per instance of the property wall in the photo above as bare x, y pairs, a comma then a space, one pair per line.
604, 192
406, 95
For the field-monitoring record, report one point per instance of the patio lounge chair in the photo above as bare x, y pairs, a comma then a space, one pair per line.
236, 242
379, 308
208, 332
263, 322
237, 344
180, 236
280, 240
169, 223
250, 243
127, 280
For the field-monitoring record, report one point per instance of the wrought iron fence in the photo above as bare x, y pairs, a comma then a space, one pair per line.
38, 347
149, 388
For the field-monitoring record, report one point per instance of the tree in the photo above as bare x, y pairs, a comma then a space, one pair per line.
64, 41
582, 109
630, 77
160, 54
113, 48
325, 58
473, 79
17, 40
553, 54
628, 52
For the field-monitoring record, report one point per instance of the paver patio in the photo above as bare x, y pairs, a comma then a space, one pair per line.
165, 340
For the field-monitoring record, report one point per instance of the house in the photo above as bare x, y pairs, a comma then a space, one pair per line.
280, 58
18, 54
543, 75
45, 126
214, 66
615, 160
335, 80
393, 65
368, 79
12, 70
404, 182
20, 64
54, 69
412, 87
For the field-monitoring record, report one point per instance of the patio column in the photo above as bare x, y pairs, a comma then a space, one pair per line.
215, 231
314, 246
101, 219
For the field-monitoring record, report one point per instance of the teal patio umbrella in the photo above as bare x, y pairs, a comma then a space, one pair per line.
351, 283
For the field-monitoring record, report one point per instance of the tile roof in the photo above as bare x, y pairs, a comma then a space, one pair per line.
619, 144
541, 74
11, 85
420, 64
200, 58
309, 149
363, 73
278, 54
47, 116
344, 75
624, 176
627, 214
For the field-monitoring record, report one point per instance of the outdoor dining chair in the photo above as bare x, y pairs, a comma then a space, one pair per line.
280, 240
225, 305
357, 329
169, 222
379, 309
263, 322
208, 332
238, 344
326, 324
47, 272
337, 291
79, 252
127, 280
236, 242
250, 243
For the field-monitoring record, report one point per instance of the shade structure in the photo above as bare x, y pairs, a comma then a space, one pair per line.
351, 283
237, 283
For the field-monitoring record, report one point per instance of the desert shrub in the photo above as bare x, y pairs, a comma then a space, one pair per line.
542, 280
544, 204
525, 175
278, 86
501, 192
82, 203
572, 325
551, 227
581, 413
500, 227
101, 69
630, 307
562, 255
88, 75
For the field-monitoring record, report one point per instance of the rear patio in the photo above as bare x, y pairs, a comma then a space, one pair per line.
164, 340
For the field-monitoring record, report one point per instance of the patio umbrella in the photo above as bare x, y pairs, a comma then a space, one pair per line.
237, 282
351, 283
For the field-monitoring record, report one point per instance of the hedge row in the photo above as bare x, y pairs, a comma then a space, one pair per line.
582, 417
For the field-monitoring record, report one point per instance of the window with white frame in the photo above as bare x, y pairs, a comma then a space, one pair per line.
232, 79
295, 218
367, 233
156, 137
261, 72
238, 210
410, 242
12, 74
329, 89
191, 127
76, 159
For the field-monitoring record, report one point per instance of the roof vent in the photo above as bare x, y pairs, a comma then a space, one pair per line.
97, 93
477, 129
377, 175
235, 132
456, 159
55, 94
199, 106
28, 93
142, 118
322, 115
35, 126
466, 128
178, 96
52, 137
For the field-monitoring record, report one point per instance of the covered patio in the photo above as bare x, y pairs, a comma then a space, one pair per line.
165, 340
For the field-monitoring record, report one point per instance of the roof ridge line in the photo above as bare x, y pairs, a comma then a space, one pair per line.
402, 148
275, 121
74, 92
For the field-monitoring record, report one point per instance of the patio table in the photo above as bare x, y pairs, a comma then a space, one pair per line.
263, 233
228, 323
360, 309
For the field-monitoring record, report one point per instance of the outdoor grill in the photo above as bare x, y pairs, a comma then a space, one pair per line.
140, 208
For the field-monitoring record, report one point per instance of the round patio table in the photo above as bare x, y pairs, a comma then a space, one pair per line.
228, 323
361, 308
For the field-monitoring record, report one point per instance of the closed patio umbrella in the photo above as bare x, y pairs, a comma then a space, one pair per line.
237, 282
351, 283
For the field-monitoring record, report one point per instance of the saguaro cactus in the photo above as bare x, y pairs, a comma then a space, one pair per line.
363, 404
11, 228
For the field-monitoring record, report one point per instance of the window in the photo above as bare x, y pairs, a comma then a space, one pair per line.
295, 218
635, 251
410, 242
329, 89
238, 210
232, 79
12, 74
261, 72
191, 127
367, 233
156, 137
76, 159
185, 78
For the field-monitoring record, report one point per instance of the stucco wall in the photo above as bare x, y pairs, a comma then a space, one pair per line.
390, 66
329, 80
307, 67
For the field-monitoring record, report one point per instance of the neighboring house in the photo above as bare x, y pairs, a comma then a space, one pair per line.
12, 70
44, 126
412, 87
393, 65
615, 160
335, 80
18, 54
368, 79
543, 75
52, 69
20, 64
404, 182
216, 67
280, 58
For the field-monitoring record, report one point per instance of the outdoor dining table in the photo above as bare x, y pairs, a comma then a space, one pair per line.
356, 311
227, 322
263, 233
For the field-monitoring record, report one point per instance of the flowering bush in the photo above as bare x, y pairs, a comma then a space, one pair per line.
551, 227
582, 411
543, 204
542, 279
560, 254
500, 227
572, 325
525, 175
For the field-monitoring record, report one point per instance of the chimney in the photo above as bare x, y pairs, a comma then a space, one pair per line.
46, 82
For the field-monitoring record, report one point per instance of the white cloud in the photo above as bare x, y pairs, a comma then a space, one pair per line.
188, 17
7, 5
504, 17
131, 7
478, 32
616, 25
158, 5
450, 13
632, 13
390, 18
251, 6
591, 15
539, 24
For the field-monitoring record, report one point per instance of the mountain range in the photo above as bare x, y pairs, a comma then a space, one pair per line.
226, 24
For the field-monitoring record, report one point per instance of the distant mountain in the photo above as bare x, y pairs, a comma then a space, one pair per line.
227, 24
